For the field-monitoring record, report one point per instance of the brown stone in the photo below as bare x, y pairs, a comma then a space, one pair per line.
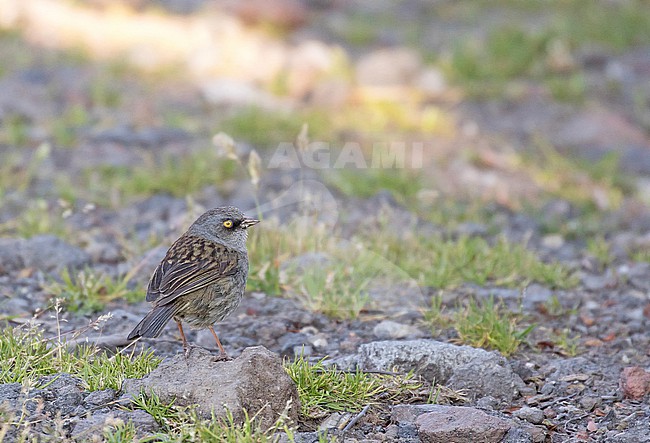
635, 382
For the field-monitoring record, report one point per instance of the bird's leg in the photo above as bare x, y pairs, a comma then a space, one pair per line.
221, 350
186, 346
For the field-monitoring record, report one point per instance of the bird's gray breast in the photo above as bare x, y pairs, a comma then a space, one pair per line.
217, 301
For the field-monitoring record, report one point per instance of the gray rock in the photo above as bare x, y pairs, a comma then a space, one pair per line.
44, 252
634, 434
15, 305
103, 251
639, 275
407, 433
446, 424
290, 342
487, 375
10, 259
589, 402
299, 437
388, 329
100, 398
92, 428
597, 282
10, 394
51, 254
255, 381
531, 415
12, 402
401, 414
480, 372
336, 420
62, 393
517, 435
487, 403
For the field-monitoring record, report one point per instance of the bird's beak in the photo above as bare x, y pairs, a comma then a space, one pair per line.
248, 222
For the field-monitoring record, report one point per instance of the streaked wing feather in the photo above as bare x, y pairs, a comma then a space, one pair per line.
191, 263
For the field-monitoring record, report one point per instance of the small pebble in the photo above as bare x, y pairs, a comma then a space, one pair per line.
531, 415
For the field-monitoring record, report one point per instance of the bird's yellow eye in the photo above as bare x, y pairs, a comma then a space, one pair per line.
227, 224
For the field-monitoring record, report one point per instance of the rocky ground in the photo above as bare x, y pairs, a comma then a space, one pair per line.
567, 178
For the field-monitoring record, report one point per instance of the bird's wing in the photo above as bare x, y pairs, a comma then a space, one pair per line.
191, 263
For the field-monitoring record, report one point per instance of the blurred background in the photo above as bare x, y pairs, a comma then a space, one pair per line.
122, 120
512, 102
467, 171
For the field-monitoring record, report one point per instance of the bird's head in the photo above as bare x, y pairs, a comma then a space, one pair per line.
227, 225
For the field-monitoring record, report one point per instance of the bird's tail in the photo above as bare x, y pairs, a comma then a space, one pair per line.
153, 323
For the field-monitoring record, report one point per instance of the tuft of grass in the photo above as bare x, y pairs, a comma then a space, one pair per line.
506, 53
449, 212
269, 245
553, 307
511, 52
446, 263
38, 218
184, 424
568, 343
402, 183
168, 415
110, 371
595, 185
121, 433
65, 126
600, 249
264, 255
570, 88
374, 116
436, 316
14, 130
338, 290
88, 291
640, 255
176, 176
485, 325
228, 431
25, 356
17, 173
103, 90
490, 325
266, 128
339, 286
323, 389
591, 187
618, 26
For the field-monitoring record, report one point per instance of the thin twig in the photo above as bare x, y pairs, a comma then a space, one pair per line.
349, 371
356, 418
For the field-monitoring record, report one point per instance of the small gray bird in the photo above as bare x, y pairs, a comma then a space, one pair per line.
202, 278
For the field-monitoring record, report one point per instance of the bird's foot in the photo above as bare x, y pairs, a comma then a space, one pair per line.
222, 357
187, 350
